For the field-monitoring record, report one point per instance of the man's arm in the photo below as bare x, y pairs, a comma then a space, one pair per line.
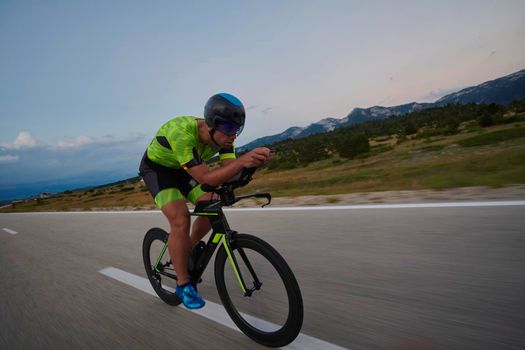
204, 175
227, 161
230, 167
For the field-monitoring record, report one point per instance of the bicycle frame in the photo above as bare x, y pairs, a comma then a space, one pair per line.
221, 234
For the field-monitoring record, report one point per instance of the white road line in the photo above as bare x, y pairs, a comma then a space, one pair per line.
215, 312
305, 208
10, 231
389, 206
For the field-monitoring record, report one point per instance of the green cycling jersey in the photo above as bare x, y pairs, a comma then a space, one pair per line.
177, 145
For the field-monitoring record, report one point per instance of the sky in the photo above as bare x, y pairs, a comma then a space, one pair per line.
84, 85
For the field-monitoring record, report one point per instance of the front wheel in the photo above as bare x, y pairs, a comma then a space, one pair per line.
272, 312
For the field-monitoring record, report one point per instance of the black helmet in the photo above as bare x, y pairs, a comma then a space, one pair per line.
224, 112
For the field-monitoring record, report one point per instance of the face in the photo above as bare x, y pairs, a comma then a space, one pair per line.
224, 140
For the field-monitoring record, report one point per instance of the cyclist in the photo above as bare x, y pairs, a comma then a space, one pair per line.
173, 167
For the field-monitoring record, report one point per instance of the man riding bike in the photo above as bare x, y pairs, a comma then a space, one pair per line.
174, 166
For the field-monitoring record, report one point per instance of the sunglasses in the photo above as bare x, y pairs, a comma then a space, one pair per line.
229, 129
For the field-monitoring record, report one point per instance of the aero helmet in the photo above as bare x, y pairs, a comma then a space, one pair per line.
224, 112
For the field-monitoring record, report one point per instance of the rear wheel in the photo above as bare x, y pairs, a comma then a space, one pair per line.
273, 314
156, 262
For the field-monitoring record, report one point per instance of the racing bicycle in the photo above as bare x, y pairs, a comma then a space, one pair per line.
255, 284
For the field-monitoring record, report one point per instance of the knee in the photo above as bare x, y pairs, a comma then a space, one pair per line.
179, 223
178, 217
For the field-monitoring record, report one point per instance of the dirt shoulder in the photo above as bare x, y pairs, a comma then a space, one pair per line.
420, 196
462, 194
391, 197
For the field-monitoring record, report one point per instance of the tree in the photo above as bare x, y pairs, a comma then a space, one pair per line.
351, 145
486, 120
410, 128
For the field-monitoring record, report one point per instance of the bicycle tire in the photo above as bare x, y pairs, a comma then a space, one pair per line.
157, 234
294, 319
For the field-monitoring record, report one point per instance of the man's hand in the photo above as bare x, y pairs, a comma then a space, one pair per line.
255, 157
252, 159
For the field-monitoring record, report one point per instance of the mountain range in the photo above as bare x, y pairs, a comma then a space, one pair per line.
503, 91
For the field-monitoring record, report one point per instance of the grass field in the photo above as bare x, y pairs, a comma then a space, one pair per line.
493, 157
416, 164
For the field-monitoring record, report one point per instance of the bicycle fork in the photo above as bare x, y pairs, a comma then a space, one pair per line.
233, 261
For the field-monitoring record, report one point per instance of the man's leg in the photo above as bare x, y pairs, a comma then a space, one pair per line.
179, 243
201, 226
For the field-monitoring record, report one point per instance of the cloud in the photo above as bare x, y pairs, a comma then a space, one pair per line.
76, 142
8, 158
80, 160
266, 110
23, 140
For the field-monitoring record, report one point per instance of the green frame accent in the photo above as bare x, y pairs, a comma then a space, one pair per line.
217, 237
161, 255
204, 214
234, 265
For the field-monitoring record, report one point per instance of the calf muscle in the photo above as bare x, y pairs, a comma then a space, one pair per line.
179, 244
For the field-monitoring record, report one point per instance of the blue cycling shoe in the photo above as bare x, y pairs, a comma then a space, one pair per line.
189, 296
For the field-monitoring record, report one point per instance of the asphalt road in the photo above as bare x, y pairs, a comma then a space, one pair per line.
419, 278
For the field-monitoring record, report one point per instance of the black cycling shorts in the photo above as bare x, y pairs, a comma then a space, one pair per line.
167, 184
